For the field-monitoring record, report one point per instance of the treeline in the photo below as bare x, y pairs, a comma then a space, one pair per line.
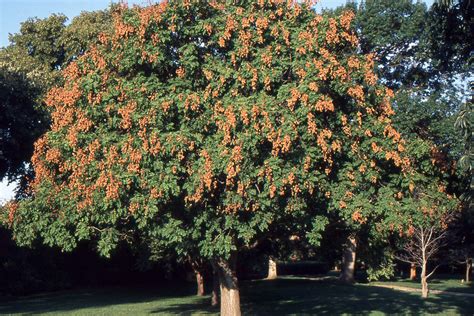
205, 135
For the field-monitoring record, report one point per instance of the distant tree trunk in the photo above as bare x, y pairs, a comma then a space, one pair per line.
215, 286
412, 271
198, 267
468, 270
230, 296
272, 269
199, 283
348, 260
424, 281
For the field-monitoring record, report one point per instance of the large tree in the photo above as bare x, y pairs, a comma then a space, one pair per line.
214, 119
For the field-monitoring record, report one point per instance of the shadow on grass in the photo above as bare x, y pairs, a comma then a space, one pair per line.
315, 297
118, 298
187, 309
463, 288
277, 297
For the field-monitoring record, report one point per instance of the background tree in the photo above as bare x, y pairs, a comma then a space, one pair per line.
466, 162
427, 210
426, 241
462, 245
451, 34
31, 59
425, 62
30, 66
464, 250
35, 56
417, 58
420, 56
21, 122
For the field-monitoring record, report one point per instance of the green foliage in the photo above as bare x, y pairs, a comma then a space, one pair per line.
451, 35
315, 234
416, 56
384, 270
38, 39
21, 122
29, 67
430, 115
464, 123
423, 59
394, 32
424, 200
82, 32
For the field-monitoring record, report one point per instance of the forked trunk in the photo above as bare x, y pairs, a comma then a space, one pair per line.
412, 271
199, 283
272, 269
348, 260
215, 286
468, 270
230, 296
424, 282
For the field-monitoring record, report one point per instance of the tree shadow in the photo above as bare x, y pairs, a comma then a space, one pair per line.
71, 300
261, 297
331, 297
292, 295
466, 288
188, 309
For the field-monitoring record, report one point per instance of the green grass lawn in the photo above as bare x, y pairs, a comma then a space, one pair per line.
442, 284
278, 297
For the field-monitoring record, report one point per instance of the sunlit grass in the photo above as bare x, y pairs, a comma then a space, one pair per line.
441, 284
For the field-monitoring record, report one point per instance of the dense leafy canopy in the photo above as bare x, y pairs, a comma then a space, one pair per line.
223, 118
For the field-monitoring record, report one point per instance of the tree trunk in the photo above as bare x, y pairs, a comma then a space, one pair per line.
348, 260
424, 282
468, 270
199, 283
230, 296
412, 271
215, 286
272, 269
197, 265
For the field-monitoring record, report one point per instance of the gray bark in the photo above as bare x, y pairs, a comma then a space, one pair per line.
348, 260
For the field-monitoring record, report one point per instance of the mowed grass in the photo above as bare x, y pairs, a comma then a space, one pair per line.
440, 283
278, 297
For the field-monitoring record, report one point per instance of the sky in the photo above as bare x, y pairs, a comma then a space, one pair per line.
13, 12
